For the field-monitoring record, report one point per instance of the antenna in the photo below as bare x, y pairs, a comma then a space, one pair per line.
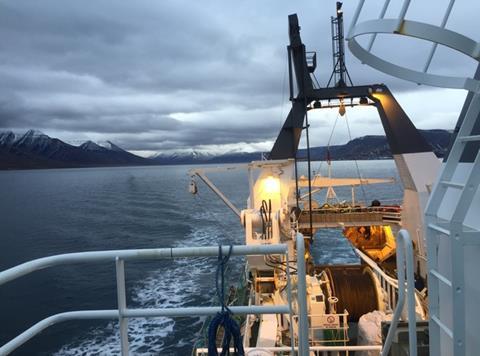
339, 74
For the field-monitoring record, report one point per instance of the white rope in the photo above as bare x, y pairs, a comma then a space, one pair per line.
329, 141
356, 162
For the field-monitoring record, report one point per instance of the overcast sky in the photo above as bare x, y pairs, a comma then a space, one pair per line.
210, 75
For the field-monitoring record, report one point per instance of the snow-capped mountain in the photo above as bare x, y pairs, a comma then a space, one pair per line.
35, 149
91, 146
197, 157
184, 156
109, 145
101, 146
7, 138
33, 139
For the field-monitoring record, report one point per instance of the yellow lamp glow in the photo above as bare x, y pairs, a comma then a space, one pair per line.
341, 108
271, 185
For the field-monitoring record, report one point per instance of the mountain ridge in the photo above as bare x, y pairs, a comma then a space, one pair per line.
35, 149
367, 147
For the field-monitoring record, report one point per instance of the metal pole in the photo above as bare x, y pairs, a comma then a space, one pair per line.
317, 349
196, 311
138, 254
412, 318
401, 17
251, 186
382, 15
217, 191
400, 302
122, 305
341, 48
119, 256
303, 346
309, 175
404, 269
355, 18
132, 313
289, 295
55, 319
434, 46
334, 62
296, 182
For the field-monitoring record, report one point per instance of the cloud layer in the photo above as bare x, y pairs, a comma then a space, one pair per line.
166, 75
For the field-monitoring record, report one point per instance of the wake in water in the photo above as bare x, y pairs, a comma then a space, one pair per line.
184, 282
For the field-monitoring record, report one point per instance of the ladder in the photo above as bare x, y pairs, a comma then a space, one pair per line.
450, 193
455, 232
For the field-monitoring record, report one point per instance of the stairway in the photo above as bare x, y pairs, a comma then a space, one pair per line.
448, 237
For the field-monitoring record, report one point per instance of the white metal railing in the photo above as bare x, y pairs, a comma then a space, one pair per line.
248, 323
352, 216
405, 291
123, 313
401, 26
303, 346
314, 350
393, 210
389, 285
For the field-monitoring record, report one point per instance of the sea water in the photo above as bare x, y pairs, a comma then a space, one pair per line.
47, 212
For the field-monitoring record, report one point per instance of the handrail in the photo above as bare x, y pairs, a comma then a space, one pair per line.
405, 271
315, 349
123, 313
392, 281
111, 314
303, 346
135, 254
389, 281
394, 209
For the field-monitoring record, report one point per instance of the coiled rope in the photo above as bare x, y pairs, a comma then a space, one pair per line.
223, 318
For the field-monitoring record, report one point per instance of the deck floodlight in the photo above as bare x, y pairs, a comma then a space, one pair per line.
271, 185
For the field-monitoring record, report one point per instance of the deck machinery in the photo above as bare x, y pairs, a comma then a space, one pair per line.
281, 206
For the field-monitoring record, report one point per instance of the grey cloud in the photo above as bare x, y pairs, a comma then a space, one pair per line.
130, 70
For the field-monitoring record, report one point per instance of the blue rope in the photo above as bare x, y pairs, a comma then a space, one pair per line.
223, 318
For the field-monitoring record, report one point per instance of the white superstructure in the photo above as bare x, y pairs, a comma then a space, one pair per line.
452, 214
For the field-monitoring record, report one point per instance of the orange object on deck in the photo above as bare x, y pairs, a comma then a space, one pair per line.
377, 242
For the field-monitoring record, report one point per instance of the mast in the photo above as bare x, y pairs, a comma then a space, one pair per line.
339, 74
409, 148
